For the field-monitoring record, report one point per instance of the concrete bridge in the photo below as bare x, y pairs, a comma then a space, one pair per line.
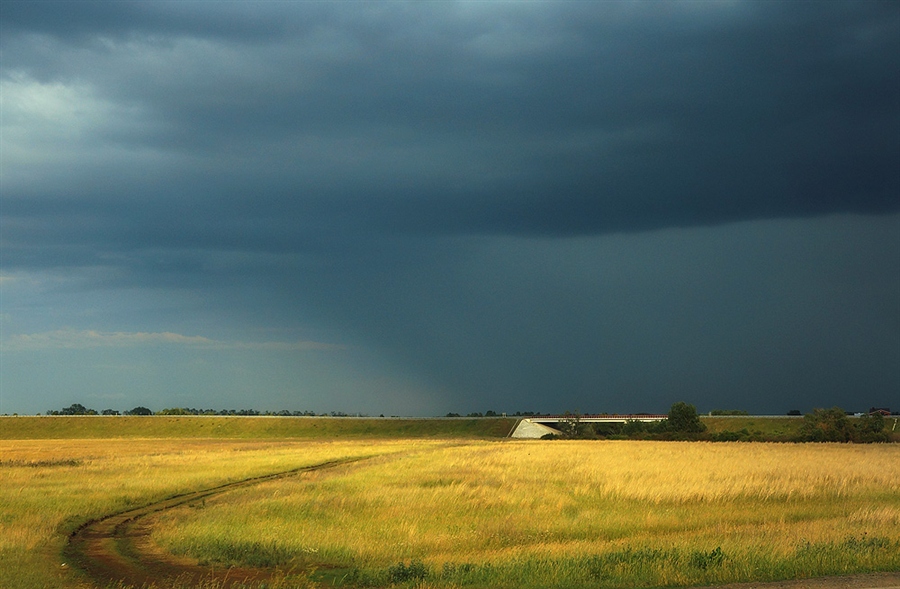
537, 426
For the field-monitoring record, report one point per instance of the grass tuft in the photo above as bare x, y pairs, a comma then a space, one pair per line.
40, 463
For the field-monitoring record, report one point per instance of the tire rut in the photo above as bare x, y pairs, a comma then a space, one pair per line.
116, 549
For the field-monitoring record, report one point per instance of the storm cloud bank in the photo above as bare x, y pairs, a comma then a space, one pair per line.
426, 181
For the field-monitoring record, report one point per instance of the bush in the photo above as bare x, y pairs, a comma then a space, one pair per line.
826, 425
729, 436
633, 427
401, 573
833, 425
706, 560
870, 428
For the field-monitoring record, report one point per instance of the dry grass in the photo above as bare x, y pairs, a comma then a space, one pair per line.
516, 504
477, 513
48, 487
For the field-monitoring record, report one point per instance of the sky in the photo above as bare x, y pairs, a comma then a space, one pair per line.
410, 208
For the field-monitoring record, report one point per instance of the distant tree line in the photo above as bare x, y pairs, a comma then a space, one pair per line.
495, 414
683, 423
79, 409
241, 412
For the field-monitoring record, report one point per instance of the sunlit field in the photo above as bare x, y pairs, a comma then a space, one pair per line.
467, 513
49, 487
567, 514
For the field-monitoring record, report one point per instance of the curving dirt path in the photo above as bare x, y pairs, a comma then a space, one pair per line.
117, 548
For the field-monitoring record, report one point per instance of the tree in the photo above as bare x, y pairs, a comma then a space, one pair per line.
75, 409
139, 411
826, 425
683, 418
870, 428
569, 425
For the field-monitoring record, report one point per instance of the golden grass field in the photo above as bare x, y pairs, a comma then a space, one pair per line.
470, 513
568, 514
49, 487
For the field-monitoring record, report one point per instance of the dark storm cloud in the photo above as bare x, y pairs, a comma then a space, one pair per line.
476, 190
558, 118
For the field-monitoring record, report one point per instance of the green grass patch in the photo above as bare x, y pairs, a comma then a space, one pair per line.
158, 426
770, 428
641, 567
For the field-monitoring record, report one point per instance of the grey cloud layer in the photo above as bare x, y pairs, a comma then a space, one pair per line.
557, 118
467, 195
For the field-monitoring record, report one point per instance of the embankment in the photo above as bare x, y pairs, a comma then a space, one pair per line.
162, 426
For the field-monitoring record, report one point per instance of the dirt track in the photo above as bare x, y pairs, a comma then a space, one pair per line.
117, 548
